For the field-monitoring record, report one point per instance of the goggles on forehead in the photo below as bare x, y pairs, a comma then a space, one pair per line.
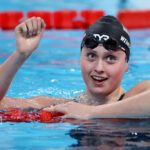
92, 42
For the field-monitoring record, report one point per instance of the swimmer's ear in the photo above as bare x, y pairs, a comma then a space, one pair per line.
127, 68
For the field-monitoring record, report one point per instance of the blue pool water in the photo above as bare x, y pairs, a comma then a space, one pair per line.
46, 72
55, 63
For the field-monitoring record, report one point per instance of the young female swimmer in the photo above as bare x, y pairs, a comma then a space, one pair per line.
105, 51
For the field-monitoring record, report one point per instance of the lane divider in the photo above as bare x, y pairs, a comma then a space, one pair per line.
91, 16
45, 15
72, 19
63, 19
10, 19
18, 115
135, 19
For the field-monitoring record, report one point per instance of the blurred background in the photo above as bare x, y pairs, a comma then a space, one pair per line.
109, 6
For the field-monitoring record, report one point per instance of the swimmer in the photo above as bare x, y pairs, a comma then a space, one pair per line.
105, 52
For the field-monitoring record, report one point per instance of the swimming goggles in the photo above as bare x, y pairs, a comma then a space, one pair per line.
92, 42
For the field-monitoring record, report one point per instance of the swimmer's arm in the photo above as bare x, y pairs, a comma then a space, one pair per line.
137, 106
138, 88
28, 36
8, 70
34, 102
45, 101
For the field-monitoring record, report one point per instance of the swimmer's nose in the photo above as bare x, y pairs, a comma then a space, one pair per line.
99, 66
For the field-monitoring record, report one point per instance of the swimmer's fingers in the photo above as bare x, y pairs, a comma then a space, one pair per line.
41, 24
35, 26
31, 27
72, 110
57, 108
21, 29
28, 35
60, 108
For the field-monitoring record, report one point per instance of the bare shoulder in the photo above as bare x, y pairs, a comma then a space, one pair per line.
35, 102
138, 88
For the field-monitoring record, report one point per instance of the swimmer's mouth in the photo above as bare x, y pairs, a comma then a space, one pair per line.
100, 79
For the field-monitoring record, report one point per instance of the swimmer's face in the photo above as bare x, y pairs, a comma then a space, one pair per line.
102, 70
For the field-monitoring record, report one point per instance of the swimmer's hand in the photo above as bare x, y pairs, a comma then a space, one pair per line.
73, 110
28, 35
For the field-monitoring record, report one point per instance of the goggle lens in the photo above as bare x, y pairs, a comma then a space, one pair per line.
92, 42
111, 44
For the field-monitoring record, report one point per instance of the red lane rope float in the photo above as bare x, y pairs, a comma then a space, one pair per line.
10, 19
91, 16
135, 19
16, 115
71, 19
78, 24
63, 19
0, 20
45, 15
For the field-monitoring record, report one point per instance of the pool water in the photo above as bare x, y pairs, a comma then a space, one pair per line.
55, 63
46, 72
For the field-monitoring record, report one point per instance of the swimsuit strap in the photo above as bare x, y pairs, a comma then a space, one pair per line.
121, 97
81, 99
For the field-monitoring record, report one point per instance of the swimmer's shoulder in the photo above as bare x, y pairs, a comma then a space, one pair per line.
138, 88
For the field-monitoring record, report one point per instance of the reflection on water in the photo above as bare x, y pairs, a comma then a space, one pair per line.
98, 134
116, 134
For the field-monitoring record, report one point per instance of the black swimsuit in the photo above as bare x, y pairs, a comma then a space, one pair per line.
121, 97
79, 100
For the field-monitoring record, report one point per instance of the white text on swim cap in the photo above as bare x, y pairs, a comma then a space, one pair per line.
125, 41
100, 37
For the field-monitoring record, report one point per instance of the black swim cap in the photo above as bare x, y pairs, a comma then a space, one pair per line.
109, 27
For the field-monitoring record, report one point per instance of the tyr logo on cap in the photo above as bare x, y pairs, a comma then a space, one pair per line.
100, 37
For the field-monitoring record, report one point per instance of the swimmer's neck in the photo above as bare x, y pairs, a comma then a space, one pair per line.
105, 99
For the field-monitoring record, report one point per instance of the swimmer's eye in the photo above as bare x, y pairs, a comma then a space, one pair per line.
111, 59
91, 56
